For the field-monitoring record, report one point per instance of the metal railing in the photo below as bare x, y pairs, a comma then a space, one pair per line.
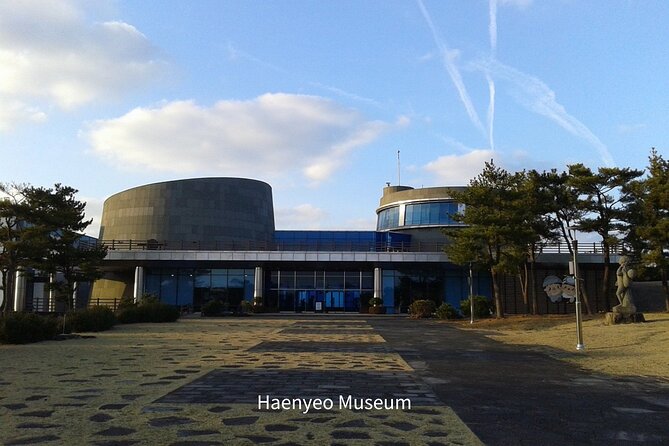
324, 246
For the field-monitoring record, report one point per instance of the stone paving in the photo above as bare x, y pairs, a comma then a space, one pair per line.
197, 382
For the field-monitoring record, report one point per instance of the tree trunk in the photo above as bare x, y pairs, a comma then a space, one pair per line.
499, 311
605, 284
663, 275
8, 283
522, 278
533, 288
586, 300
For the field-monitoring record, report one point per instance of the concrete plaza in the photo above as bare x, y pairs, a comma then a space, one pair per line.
198, 382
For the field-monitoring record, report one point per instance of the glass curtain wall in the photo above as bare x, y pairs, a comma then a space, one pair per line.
186, 287
334, 290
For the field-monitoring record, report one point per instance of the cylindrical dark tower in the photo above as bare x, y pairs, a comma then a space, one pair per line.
193, 210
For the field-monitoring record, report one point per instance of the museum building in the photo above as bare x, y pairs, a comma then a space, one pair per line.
194, 240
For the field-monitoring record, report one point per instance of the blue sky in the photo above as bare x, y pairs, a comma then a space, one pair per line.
316, 98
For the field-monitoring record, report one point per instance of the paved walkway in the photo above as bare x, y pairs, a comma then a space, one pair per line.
509, 395
197, 382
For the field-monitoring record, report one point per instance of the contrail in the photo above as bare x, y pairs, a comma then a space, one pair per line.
492, 28
448, 60
491, 111
539, 98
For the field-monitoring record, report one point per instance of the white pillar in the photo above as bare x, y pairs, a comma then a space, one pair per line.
52, 293
378, 283
20, 291
2, 292
74, 295
258, 286
138, 289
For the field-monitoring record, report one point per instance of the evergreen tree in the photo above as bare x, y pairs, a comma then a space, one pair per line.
495, 233
562, 211
13, 248
57, 220
601, 198
648, 203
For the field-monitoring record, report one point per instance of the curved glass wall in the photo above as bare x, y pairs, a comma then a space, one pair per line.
388, 218
434, 213
430, 214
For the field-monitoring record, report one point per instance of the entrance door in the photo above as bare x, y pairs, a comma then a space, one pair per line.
304, 300
334, 300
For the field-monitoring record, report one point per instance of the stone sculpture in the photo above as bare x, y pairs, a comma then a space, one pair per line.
625, 311
624, 278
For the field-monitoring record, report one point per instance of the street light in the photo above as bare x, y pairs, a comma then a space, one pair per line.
577, 287
471, 294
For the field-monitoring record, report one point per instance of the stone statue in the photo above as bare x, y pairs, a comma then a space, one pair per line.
624, 277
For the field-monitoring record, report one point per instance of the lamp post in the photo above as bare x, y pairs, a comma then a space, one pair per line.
471, 294
579, 324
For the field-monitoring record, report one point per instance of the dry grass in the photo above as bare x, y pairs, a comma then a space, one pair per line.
622, 350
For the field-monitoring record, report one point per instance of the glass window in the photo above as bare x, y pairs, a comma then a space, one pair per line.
202, 279
334, 280
168, 289
430, 213
274, 280
352, 280
388, 218
304, 280
185, 288
367, 281
219, 281
287, 280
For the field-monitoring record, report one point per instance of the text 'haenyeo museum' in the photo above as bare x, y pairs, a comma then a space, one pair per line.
190, 241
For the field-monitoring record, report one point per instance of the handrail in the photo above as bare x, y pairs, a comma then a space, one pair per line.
325, 246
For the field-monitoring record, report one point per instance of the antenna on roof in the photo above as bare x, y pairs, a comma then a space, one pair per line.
399, 181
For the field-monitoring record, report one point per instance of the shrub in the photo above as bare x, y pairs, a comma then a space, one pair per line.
375, 302
246, 306
97, 318
148, 311
376, 310
447, 311
23, 328
483, 307
422, 308
126, 302
265, 309
129, 315
212, 308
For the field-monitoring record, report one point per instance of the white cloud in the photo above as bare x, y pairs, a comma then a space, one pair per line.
536, 96
457, 170
269, 136
53, 55
626, 129
518, 3
303, 216
13, 112
94, 211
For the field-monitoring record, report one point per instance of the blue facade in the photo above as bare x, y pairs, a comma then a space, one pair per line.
340, 240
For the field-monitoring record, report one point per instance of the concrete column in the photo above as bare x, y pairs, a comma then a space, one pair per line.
258, 286
52, 293
74, 295
138, 289
20, 291
378, 283
2, 293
